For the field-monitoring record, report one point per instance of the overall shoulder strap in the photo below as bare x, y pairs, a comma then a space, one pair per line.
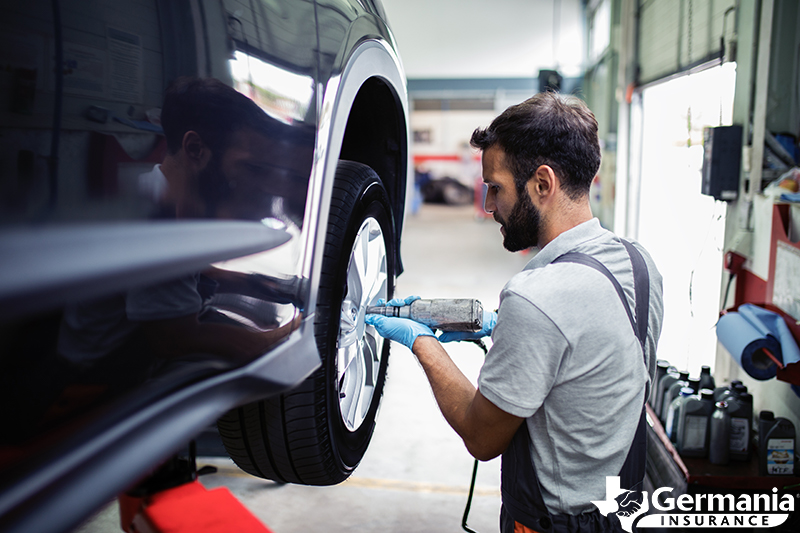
641, 282
633, 470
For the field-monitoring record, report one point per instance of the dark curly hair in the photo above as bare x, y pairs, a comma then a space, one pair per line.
212, 109
547, 129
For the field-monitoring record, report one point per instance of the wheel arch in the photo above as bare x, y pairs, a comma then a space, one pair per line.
376, 135
351, 128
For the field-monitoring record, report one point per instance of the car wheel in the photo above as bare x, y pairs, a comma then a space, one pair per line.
317, 433
456, 194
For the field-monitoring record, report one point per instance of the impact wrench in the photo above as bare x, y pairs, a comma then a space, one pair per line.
460, 314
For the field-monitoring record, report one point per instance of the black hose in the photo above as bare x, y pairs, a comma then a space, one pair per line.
464, 525
731, 277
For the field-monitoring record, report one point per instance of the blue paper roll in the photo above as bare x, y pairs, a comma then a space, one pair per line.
745, 342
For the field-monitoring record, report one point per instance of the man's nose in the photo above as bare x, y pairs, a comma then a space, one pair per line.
488, 202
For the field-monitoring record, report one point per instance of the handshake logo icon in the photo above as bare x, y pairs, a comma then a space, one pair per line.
628, 505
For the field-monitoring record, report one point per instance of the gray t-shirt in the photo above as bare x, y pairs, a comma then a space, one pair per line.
565, 357
94, 329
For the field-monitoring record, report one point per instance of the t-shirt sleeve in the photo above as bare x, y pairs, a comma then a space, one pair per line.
171, 299
526, 354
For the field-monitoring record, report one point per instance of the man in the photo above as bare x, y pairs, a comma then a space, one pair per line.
221, 149
219, 165
562, 390
225, 155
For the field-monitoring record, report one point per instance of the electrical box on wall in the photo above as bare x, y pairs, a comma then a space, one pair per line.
550, 80
722, 162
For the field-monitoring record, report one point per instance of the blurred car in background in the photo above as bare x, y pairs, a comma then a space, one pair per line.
198, 199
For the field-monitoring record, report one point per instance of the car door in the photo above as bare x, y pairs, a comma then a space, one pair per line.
142, 295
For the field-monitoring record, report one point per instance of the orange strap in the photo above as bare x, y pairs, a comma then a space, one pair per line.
519, 528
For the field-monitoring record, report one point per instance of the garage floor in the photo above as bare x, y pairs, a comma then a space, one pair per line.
416, 473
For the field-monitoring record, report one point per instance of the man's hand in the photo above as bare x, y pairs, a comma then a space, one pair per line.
397, 302
489, 321
402, 330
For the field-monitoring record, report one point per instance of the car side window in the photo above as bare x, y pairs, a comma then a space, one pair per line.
79, 143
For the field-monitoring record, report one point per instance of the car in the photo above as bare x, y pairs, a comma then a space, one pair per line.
198, 200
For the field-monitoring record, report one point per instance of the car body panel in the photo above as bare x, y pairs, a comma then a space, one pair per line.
82, 179
340, 93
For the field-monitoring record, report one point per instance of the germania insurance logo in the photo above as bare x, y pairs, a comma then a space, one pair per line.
766, 510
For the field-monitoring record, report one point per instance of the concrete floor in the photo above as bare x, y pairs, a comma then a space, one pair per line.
416, 473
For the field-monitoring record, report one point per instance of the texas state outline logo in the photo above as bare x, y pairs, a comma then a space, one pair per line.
760, 510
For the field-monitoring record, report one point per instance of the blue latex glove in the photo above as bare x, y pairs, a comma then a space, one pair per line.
397, 302
489, 321
402, 330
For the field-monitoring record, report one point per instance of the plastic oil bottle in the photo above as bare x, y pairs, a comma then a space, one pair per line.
662, 367
719, 392
740, 408
706, 379
672, 422
673, 392
777, 440
693, 424
663, 384
719, 446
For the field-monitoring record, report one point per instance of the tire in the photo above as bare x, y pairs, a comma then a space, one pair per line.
317, 433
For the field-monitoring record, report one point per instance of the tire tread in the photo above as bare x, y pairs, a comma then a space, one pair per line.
287, 438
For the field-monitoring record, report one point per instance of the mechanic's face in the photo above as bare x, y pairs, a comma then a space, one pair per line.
211, 184
520, 220
228, 182
250, 174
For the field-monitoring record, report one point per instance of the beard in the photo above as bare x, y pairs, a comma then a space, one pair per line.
522, 226
212, 186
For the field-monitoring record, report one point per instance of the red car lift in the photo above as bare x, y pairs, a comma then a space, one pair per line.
172, 501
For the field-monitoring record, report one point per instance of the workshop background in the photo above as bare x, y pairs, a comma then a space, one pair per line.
656, 73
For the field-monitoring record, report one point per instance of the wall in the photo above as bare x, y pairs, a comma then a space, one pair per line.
748, 228
447, 151
445, 112
478, 39
467, 60
671, 38
602, 94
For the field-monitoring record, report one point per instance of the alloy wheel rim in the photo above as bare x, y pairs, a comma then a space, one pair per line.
359, 347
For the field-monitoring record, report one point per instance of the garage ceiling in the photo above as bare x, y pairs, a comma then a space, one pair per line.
480, 39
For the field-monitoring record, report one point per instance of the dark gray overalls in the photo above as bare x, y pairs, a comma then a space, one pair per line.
522, 495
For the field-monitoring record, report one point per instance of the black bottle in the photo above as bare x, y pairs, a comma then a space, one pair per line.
706, 379
740, 408
776, 445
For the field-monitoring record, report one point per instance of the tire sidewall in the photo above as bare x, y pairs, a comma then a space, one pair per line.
348, 447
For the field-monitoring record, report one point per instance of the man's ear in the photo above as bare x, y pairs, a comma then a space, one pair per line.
543, 183
195, 149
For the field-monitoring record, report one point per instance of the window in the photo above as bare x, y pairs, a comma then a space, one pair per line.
682, 229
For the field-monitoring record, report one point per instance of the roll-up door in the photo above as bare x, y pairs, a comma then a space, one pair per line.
678, 35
